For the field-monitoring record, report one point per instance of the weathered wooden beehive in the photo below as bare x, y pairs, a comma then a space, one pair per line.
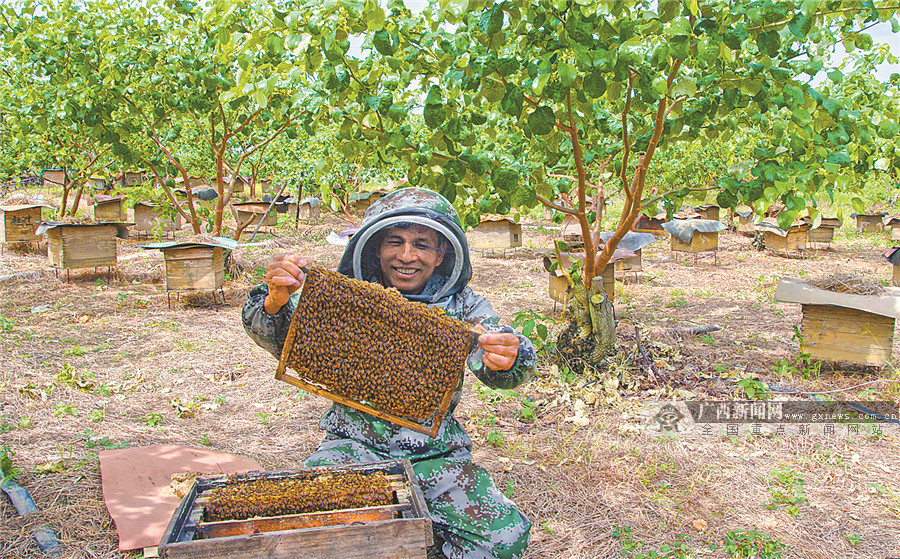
745, 225
75, 245
844, 327
265, 185
131, 178
824, 233
148, 216
893, 256
360, 201
694, 235
109, 208
240, 184
778, 239
893, 222
96, 182
869, 223
19, 222
634, 242
194, 268
559, 285
652, 225
571, 234
708, 211
495, 232
310, 208
401, 529
53, 178
255, 212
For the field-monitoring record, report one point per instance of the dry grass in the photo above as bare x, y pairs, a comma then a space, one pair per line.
576, 483
848, 283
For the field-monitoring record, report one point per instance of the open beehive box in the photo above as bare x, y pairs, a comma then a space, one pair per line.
352, 511
367, 347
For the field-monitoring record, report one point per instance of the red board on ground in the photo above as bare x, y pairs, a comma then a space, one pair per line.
137, 486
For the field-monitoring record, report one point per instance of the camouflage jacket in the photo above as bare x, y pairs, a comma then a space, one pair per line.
269, 331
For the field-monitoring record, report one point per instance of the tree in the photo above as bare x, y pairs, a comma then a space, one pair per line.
513, 93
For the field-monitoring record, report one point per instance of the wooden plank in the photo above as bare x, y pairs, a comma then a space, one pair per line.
110, 211
90, 246
18, 226
300, 521
194, 268
895, 232
821, 235
834, 333
700, 242
897, 276
496, 235
388, 539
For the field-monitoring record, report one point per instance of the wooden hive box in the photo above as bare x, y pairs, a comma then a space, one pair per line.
112, 209
310, 208
96, 182
131, 178
824, 233
869, 223
632, 264
700, 242
247, 210
558, 286
148, 216
496, 232
194, 268
196, 181
708, 211
745, 225
362, 200
73, 246
19, 222
843, 327
239, 184
647, 224
399, 530
53, 178
893, 223
795, 239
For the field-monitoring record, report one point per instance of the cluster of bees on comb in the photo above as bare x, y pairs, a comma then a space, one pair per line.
313, 491
371, 345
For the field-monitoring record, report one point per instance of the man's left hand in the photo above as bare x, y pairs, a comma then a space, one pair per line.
500, 350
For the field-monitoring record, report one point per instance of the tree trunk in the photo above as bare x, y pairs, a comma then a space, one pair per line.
590, 335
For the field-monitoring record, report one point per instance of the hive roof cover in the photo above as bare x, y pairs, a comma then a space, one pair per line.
683, 229
632, 240
137, 491
121, 228
791, 290
223, 242
771, 224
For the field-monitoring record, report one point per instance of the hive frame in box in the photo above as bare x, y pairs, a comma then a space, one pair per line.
282, 374
395, 529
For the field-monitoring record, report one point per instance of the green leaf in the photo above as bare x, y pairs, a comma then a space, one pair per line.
679, 47
883, 164
505, 179
768, 42
566, 74
454, 170
385, 43
434, 115
838, 158
513, 100
836, 76
858, 205
800, 25
594, 84
542, 120
668, 9
491, 20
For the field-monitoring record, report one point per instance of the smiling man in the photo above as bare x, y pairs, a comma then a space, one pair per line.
412, 240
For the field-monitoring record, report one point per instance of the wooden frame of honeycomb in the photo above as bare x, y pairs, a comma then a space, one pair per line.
354, 529
369, 348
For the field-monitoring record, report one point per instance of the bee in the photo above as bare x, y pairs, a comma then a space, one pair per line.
310, 491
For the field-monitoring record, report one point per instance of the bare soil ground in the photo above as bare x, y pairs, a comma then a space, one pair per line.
86, 365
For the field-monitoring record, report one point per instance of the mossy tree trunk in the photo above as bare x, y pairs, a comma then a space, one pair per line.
590, 335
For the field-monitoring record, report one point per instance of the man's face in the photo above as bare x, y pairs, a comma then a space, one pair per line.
409, 257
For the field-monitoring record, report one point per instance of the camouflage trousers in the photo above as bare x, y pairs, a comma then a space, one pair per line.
473, 518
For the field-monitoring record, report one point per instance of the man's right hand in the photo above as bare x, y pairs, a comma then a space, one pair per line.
283, 278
